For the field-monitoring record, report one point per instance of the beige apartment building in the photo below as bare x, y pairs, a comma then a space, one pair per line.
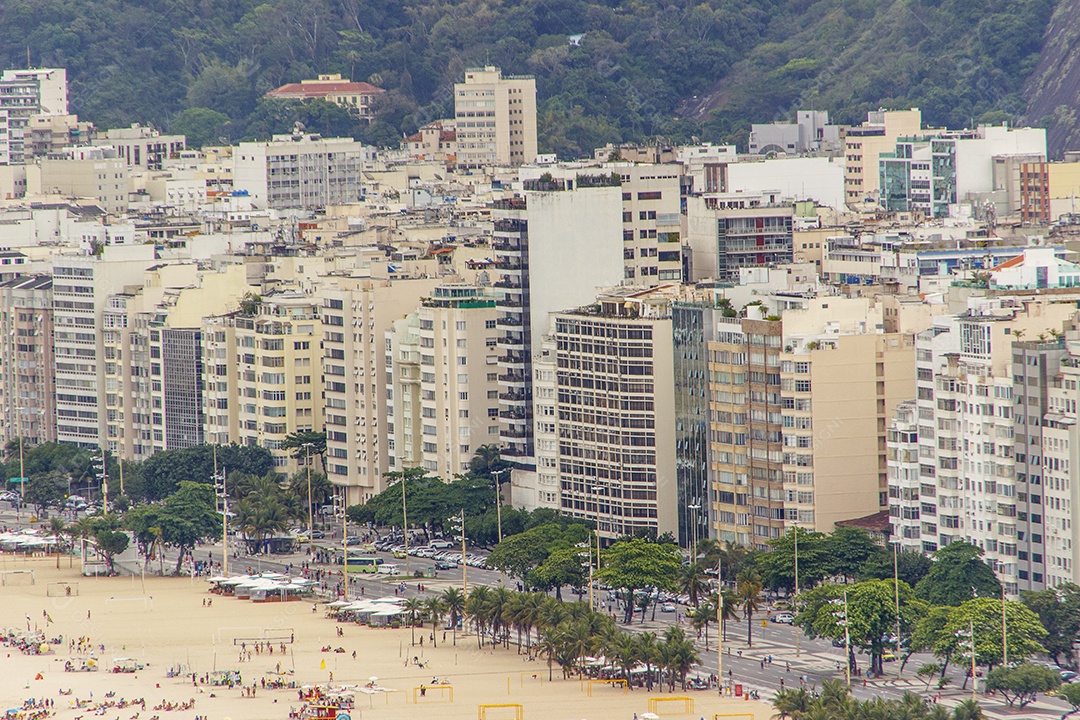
443, 381
154, 364
798, 417
28, 392
864, 144
495, 118
652, 222
85, 173
263, 372
357, 311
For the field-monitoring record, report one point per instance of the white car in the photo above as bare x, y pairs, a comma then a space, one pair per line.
783, 618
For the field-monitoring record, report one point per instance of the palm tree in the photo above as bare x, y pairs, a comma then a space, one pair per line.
478, 607
435, 609
968, 710
703, 615
413, 607
691, 581
547, 647
499, 610
454, 603
56, 528
792, 703
580, 641
621, 649
730, 611
748, 592
647, 653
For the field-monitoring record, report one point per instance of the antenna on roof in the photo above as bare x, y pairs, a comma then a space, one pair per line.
28, 65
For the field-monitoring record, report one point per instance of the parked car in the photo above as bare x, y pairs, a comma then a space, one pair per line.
445, 565
667, 608
442, 544
783, 618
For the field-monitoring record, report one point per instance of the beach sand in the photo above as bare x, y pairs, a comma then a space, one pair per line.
176, 629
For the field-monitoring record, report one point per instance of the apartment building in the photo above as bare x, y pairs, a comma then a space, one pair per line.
1049, 190
746, 455
357, 311
300, 171
651, 212
141, 146
25, 94
615, 413
798, 416
81, 287
728, 232
980, 485
263, 368
442, 384
28, 393
154, 360
864, 144
652, 223
1060, 460
495, 118
84, 172
553, 249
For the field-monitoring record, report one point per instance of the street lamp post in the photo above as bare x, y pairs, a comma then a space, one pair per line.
719, 631
896, 594
459, 522
842, 620
344, 543
795, 532
405, 526
219, 487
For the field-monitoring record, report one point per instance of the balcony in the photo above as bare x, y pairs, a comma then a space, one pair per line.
510, 433
507, 302
507, 283
513, 396
512, 377
514, 414
508, 321
511, 225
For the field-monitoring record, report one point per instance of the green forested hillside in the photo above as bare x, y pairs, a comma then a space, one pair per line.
641, 68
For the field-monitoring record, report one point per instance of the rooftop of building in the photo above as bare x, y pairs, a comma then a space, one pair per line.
322, 87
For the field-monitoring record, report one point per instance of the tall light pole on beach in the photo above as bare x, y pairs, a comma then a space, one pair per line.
219, 488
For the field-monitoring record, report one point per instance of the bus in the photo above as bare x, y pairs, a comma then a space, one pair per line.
363, 564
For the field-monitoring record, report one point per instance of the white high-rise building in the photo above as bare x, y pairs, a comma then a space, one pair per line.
81, 287
969, 485
25, 94
300, 171
442, 381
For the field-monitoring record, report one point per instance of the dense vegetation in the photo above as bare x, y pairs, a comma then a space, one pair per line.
641, 68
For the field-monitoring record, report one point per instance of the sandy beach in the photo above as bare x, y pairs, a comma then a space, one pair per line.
163, 623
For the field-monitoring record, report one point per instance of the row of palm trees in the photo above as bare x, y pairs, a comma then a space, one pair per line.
567, 634
836, 703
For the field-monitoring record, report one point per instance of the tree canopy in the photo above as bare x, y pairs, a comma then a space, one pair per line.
606, 72
637, 563
957, 575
